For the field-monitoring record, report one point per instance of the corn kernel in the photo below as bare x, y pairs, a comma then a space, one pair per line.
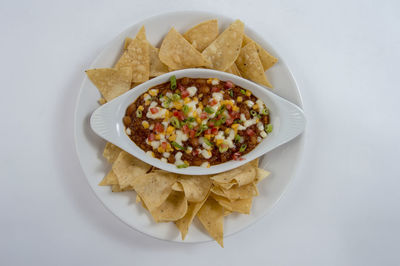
145, 95
153, 92
235, 126
178, 105
170, 129
195, 114
198, 120
207, 136
235, 108
152, 154
195, 99
219, 141
145, 124
201, 95
227, 131
255, 107
141, 108
172, 137
209, 80
186, 162
248, 93
146, 102
201, 106
208, 165
188, 151
239, 99
158, 137
160, 149
187, 100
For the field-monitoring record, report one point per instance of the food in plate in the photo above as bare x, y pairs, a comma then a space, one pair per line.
197, 122
231, 120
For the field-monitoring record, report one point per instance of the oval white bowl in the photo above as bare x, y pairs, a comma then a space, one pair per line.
288, 121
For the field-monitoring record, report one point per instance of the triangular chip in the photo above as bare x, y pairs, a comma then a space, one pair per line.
127, 168
241, 205
201, 35
233, 69
267, 60
224, 50
172, 209
250, 65
261, 174
111, 82
196, 187
109, 179
154, 188
184, 223
117, 188
111, 152
136, 56
243, 192
157, 67
211, 216
242, 175
127, 42
139, 200
177, 53
177, 187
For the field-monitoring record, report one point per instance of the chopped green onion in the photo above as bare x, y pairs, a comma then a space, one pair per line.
201, 129
176, 97
173, 82
160, 96
231, 93
242, 91
208, 142
223, 148
209, 110
189, 125
175, 122
138, 113
176, 145
185, 109
265, 111
268, 128
220, 121
182, 165
243, 148
220, 110
190, 119
238, 138
253, 112
238, 121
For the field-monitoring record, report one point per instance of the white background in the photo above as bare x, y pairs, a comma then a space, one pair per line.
343, 205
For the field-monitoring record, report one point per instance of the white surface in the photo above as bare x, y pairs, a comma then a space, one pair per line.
341, 209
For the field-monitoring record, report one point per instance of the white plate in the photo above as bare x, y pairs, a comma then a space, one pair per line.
287, 119
282, 162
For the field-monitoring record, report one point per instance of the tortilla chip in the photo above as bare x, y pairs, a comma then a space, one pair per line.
109, 179
111, 152
243, 192
233, 69
139, 200
127, 168
224, 50
127, 42
250, 65
172, 209
154, 188
241, 205
267, 60
227, 212
211, 216
177, 53
117, 188
111, 82
177, 187
157, 67
195, 187
136, 56
242, 175
102, 101
184, 223
201, 35
261, 174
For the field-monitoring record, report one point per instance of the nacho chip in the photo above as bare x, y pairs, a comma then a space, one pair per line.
267, 60
127, 168
261, 174
172, 209
233, 69
136, 56
227, 212
177, 187
127, 42
177, 53
243, 192
111, 152
211, 216
111, 82
139, 200
154, 188
109, 179
195, 187
117, 188
102, 101
224, 50
250, 65
184, 223
242, 175
241, 205
157, 67
201, 35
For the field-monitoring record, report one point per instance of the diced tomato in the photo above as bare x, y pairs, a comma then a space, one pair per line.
159, 128
203, 115
185, 94
228, 107
185, 129
228, 85
181, 87
211, 123
163, 145
152, 137
235, 115
196, 128
250, 132
208, 131
229, 121
236, 156
214, 131
195, 152
154, 110
215, 89
192, 133
179, 114
213, 102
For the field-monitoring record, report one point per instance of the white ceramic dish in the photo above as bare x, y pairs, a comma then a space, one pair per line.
287, 119
282, 161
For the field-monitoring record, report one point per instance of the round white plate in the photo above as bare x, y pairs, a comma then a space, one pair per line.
282, 162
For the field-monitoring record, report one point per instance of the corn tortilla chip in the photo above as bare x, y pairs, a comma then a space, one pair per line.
154, 188
102, 101
157, 67
139, 200
177, 53
109, 179
117, 188
224, 50
261, 174
242, 175
195, 187
111, 152
136, 56
177, 187
127, 42
211, 216
201, 35
111, 82
184, 223
127, 168
267, 60
243, 192
172, 209
233, 70
241, 205
250, 65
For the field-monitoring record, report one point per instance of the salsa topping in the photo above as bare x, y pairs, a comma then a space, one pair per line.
197, 122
